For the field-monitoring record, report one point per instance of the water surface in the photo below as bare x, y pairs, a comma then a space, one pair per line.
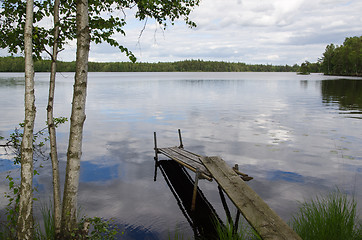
298, 136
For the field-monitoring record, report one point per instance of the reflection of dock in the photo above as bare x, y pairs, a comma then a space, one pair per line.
203, 219
259, 215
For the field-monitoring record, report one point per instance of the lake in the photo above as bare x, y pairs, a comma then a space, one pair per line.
299, 136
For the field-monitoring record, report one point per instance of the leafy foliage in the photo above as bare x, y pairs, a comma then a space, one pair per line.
345, 59
13, 143
104, 21
308, 67
101, 229
11, 210
13, 146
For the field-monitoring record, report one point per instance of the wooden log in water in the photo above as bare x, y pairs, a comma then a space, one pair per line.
260, 216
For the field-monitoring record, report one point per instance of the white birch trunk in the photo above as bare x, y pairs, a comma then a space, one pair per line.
76, 121
51, 126
25, 224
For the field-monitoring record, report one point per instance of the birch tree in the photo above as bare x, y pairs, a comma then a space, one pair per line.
69, 217
154, 9
25, 223
51, 125
89, 27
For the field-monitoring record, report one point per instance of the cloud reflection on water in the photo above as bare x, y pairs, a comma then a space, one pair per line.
279, 131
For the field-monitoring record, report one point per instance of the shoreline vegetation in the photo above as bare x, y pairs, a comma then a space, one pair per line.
343, 60
16, 64
333, 216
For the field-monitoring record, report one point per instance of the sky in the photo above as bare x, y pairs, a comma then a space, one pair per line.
274, 32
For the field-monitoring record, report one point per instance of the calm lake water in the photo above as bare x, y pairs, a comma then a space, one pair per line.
298, 136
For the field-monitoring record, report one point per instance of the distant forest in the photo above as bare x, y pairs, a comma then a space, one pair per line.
16, 64
345, 60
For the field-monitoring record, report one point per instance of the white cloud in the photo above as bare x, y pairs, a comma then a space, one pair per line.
251, 31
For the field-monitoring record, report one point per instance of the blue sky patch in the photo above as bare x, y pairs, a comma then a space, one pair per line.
95, 173
285, 176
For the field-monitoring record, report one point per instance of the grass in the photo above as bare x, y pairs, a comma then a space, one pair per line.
99, 228
328, 218
333, 217
48, 222
228, 232
177, 236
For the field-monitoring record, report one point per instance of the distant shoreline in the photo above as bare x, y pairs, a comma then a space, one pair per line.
16, 64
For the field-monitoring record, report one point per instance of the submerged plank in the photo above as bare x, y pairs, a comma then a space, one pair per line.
260, 216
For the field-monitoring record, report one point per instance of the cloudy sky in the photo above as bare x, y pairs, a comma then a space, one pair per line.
251, 31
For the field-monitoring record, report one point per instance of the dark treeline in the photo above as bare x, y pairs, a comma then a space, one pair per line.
345, 59
308, 67
16, 64
188, 66
337, 60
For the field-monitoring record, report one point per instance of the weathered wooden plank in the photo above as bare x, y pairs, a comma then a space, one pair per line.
183, 152
187, 162
180, 158
260, 216
180, 154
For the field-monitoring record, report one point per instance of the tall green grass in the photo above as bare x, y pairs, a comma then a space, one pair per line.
244, 231
328, 218
99, 228
48, 223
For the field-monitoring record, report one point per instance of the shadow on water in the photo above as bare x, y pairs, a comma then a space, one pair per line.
202, 220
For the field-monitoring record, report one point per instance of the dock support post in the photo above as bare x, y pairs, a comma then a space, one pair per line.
236, 224
156, 150
179, 136
156, 156
195, 189
224, 204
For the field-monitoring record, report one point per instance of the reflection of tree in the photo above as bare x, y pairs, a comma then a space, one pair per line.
304, 83
347, 93
12, 81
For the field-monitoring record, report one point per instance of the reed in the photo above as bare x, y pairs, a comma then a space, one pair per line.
331, 217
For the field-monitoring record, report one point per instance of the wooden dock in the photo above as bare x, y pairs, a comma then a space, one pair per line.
187, 159
259, 215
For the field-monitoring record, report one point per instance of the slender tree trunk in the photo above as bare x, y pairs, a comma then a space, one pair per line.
51, 126
25, 224
77, 120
